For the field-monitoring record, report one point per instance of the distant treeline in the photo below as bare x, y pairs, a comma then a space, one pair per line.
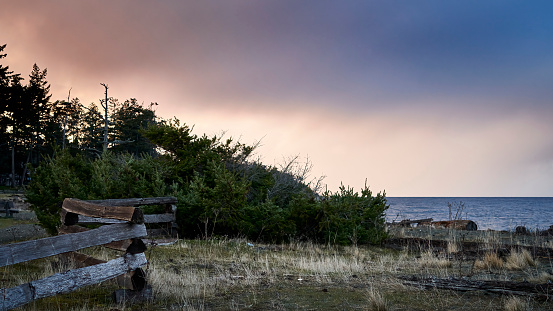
33, 127
64, 149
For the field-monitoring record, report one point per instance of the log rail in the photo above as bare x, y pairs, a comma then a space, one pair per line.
123, 226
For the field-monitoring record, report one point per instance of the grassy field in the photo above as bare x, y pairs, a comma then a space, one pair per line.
235, 274
231, 274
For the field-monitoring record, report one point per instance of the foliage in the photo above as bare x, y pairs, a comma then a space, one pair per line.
129, 119
214, 203
191, 154
33, 126
221, 191
64, 176
112, 176
226, 194
350, 218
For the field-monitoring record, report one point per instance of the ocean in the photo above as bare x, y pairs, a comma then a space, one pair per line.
488, 212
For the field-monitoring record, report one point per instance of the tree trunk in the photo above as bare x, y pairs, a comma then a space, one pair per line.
13, 165
26, 163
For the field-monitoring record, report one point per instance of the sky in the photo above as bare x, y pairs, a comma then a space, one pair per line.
414, 98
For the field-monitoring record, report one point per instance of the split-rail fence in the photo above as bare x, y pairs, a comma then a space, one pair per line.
122, 227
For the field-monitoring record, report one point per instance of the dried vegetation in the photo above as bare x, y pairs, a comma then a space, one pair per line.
231, 274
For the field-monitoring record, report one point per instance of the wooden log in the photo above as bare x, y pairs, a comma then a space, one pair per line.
132, 246
408, 222
29, 250
133, 280
74, 206
116, 245
136, 201
541, 291
86, 220
157, 218
148, 219
69, 281
468, 225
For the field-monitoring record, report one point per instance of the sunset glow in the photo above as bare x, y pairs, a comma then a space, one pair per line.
419, 98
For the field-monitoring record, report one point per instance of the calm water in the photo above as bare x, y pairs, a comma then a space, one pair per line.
488, 213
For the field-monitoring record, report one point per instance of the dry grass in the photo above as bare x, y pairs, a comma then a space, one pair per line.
195, 270
542, 277
514, 303
453, 247
429, 260
491, 261
376, 301
519, 260
228, 274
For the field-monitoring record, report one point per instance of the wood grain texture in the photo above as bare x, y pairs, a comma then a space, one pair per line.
29, 250
136, 201
69, 281
86, 208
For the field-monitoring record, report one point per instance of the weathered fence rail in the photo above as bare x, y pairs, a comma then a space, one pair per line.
123, 226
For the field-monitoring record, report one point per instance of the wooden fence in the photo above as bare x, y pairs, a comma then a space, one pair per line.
122, 229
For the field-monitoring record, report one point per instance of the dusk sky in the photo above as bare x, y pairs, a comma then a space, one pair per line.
420, 98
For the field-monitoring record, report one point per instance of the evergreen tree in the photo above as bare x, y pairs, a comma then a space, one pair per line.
129, 120
36, 104
23, 111
5, 90
91, 130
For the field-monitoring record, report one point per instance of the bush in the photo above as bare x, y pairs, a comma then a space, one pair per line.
350, 218
214, 203
220, 192
108, 177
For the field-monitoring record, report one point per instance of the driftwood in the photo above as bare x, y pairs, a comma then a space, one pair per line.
539, 291
136, 201
409, 222
467, 249
29, 250
452, 224
69, 281
71, 208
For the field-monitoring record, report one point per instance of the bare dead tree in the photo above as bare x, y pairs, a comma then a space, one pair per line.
105, 106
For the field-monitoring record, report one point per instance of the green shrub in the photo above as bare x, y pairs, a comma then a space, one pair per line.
52, 181
350, 218
220, 192
112, 176
214, 203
